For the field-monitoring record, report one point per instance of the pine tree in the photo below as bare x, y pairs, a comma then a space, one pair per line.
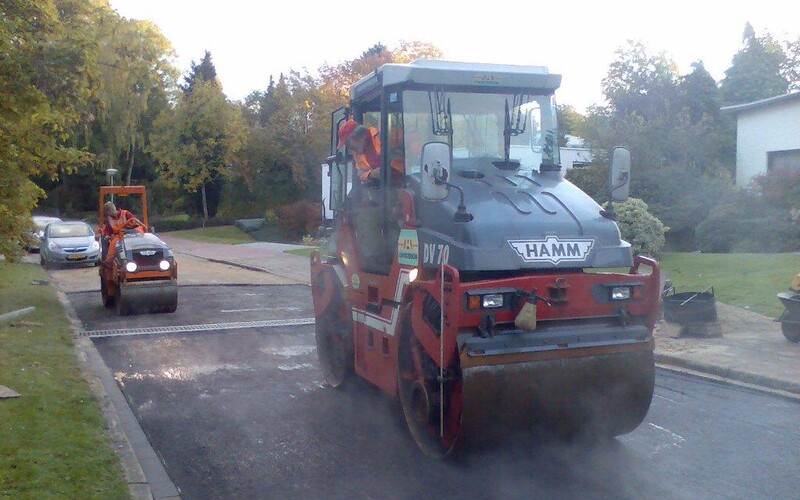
755, 71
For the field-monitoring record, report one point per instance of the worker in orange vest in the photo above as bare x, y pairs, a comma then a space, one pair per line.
116, 220
364, 145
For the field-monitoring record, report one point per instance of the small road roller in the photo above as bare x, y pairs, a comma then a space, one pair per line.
138, 272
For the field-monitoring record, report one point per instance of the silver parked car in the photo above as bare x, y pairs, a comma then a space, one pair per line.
69, 243
41, 222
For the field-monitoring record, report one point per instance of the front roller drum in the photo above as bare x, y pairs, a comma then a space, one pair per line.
606, 395
149, 298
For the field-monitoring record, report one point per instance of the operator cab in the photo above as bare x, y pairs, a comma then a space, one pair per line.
477, 148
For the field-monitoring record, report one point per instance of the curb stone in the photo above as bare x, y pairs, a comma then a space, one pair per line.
94, 371
756, 381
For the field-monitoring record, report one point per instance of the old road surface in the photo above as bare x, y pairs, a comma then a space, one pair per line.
229, 394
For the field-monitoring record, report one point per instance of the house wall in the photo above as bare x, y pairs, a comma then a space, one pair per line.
770, 128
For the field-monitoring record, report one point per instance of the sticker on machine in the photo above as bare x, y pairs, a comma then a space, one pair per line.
552, 249
408, 248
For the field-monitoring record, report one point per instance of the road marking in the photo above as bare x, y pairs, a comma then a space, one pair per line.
157, 330
662, 397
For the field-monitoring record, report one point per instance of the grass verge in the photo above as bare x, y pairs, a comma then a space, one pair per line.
305, 252
218, 234
52, 438
742, 280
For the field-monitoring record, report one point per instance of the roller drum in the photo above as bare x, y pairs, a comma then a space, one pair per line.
606, 395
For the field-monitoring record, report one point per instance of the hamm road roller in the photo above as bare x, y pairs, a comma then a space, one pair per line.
466, 275
138, 271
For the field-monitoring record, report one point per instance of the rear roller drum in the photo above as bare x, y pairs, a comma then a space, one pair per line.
121, 303
432, 413
108, 299
334, 337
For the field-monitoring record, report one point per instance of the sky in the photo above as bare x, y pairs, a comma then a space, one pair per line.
251, 40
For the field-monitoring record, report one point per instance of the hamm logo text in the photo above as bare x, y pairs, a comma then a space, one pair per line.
552, 250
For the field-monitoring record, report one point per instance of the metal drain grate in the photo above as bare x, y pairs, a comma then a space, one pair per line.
156, 330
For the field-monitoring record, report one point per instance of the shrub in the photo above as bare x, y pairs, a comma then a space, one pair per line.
680, 198
592, 180
746, 221
639, 227
299, 219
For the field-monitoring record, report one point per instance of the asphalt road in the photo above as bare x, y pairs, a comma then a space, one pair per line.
244, 414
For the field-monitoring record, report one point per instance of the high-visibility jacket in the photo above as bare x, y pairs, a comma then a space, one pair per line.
371, 157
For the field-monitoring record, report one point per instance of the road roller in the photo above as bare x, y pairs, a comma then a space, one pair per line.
138, 271
464, 275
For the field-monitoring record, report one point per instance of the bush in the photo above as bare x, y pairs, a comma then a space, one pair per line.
639, 227
299, 219
250, 225
680, 198
592, 180
747, 222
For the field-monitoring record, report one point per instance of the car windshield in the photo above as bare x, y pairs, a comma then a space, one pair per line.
42, 223
69, 230
479, 122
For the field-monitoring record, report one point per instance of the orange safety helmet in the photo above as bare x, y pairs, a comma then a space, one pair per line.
345, 129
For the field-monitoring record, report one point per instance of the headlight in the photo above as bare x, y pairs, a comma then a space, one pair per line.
620, 293
95, 245
131, 267
164, 265
52, 246
412, 275
492, 300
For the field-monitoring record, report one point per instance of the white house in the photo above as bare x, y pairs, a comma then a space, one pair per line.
767, 135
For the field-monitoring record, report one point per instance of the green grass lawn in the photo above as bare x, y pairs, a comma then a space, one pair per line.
742, 280
52, 438
218, 234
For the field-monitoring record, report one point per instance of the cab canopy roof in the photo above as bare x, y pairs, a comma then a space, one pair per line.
427, 72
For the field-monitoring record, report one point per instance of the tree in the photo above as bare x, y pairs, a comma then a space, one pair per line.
756, 70
699, 94
135, 61
570, 122
204, 71
45, 73
200, 141
640, 83
791, 67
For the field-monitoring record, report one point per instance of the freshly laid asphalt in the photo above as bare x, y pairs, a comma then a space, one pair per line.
751, 350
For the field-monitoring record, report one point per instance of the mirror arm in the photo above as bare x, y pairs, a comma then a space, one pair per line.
461, 214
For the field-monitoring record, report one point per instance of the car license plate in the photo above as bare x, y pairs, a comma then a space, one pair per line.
76, 256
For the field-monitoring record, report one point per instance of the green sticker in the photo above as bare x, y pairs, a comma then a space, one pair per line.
408, 247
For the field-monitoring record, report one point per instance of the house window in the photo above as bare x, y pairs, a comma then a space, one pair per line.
784, 160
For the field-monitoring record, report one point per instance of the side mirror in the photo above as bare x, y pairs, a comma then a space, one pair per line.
619, 174
435, 169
